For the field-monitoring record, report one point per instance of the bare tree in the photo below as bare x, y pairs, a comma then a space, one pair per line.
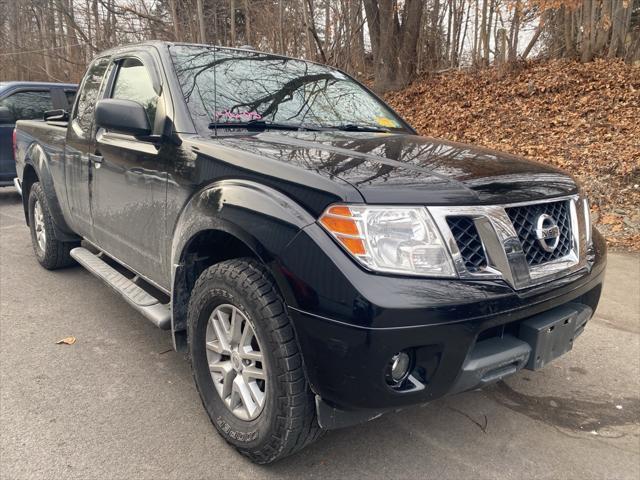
391, 41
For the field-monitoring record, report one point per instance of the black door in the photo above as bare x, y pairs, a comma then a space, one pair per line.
129, 182
80, 147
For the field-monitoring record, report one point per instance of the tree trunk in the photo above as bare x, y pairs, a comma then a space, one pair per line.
568, 30
603, 30
17, 40
173, 10
247, 23
586, 47
310, 52
97, 27
394, 41
232, 20
434, 34
484, 34
45, 55
327, 25
314, 32
514, 32
501, 47
476, 36
281, 26
409, 34
357, 36
535, 37
200, 12
487, 47
373, 21
626, 26
616, 27
72, 38
386, 61
460, 43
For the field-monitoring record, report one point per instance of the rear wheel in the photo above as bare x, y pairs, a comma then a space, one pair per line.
50, 252
246, 362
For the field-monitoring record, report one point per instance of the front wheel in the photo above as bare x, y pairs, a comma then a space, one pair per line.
50, 252
246, 362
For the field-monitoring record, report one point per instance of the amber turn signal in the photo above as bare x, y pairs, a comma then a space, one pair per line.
339, 221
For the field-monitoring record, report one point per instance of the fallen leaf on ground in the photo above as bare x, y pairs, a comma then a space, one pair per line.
67, 341
609, 219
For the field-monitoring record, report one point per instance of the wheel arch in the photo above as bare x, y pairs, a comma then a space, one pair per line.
29, 177
226, 220
36, 169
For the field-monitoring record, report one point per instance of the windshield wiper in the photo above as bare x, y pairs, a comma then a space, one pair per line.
352, 127
261, 125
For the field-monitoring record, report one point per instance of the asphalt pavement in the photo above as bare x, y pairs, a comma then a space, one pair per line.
121, 404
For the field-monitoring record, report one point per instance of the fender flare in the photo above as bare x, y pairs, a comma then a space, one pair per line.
260, 217
38, 159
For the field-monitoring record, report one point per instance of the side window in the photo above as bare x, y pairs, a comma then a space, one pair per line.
134, 83
71, 96
88, 94
28, 105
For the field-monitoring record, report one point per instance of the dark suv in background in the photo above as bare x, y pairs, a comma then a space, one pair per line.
26, 101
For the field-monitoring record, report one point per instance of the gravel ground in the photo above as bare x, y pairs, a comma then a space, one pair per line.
120, 403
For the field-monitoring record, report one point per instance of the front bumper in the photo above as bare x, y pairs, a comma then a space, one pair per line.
532, 344
347, 334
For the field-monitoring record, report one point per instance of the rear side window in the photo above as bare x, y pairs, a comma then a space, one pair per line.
28, 105
134, 83
71, 96
88, 94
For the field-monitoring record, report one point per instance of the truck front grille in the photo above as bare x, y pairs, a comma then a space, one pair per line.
524, 220
501, 242
469, 243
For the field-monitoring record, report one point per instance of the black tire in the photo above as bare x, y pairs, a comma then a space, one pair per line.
287, 421
55, 253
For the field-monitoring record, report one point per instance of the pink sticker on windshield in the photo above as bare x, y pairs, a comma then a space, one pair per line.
240, 116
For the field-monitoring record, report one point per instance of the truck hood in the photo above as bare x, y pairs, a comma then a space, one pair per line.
410, 169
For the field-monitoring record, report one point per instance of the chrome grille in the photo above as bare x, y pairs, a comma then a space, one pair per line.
466, 234
499, 241
524, 222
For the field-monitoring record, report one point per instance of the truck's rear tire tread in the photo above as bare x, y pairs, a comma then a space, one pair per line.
297, 425
57, 253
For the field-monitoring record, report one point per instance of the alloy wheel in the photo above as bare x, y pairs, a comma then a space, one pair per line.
38, 219
236, 362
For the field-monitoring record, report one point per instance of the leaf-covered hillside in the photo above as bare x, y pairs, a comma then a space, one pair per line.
584, 118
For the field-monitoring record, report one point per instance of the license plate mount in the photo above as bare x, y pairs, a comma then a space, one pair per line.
551, 334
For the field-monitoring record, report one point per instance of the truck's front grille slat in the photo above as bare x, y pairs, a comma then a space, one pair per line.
469, 243
524, 220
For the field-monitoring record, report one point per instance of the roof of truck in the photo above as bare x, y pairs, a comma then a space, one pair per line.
12, 84
165, 43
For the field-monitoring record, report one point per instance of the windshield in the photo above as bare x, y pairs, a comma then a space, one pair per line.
227, 87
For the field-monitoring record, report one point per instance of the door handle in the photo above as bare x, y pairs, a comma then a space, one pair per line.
96, 159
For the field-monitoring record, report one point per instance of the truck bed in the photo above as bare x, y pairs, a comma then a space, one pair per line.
50, 135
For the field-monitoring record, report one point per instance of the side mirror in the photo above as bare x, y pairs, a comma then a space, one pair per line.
123, 116
6, 116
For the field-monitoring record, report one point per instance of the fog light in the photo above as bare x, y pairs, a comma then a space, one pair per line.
398, 368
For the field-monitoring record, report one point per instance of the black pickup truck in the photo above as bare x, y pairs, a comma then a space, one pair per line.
319, 261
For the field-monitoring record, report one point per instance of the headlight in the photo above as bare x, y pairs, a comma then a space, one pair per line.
401, 240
